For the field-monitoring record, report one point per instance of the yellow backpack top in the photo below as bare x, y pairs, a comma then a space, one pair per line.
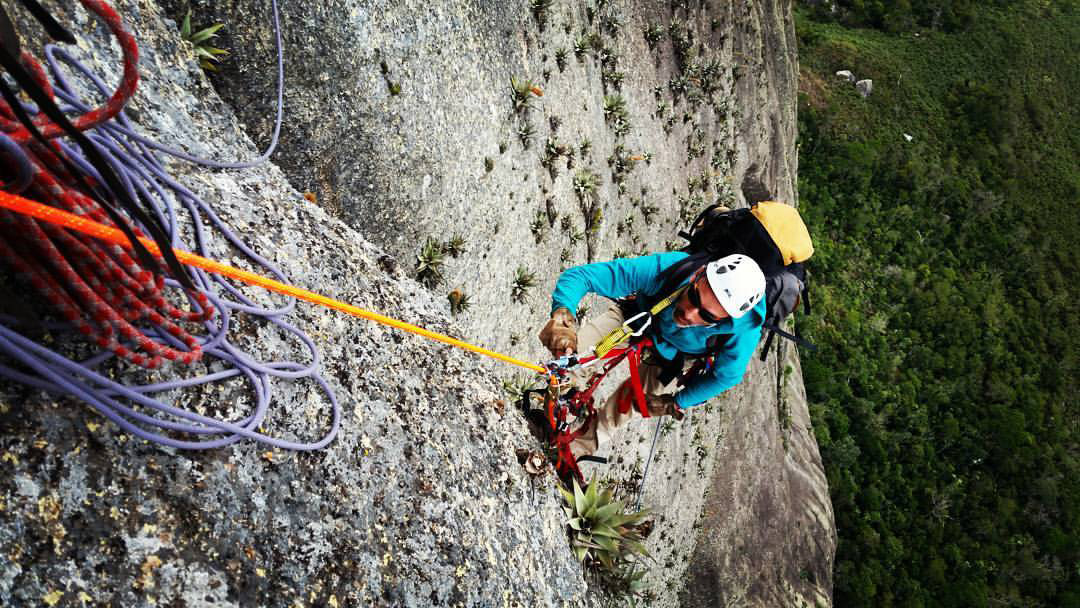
787, 230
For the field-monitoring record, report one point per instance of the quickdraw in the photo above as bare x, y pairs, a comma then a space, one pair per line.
561, 409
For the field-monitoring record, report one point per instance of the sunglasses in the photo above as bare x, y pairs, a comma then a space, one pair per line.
695, 300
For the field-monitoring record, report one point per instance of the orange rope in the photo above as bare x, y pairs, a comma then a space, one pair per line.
115, 236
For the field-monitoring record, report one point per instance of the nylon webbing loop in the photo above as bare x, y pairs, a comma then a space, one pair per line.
626, 331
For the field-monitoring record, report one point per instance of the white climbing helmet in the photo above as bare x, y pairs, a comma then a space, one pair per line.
738, 283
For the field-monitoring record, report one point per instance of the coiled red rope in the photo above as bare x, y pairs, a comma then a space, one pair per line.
99, 288
93, 118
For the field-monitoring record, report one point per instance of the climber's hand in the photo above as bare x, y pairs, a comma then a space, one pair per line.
560, 333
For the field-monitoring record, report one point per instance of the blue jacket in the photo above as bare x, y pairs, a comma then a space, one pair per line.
622, 277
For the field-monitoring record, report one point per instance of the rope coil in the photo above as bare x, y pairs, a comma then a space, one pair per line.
105, 295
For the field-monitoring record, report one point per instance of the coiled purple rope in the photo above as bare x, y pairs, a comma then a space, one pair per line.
18, 164
133, 408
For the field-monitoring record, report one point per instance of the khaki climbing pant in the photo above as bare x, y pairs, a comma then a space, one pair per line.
608, 418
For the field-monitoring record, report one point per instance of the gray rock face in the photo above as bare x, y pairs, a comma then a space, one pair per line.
865, 87
767, 534
420, 500
846, 75
399, 119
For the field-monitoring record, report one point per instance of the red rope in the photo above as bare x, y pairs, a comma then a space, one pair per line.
96, 286
93, 118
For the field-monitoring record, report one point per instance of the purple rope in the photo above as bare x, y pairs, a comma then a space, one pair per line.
133, 407
55, 54
17, 163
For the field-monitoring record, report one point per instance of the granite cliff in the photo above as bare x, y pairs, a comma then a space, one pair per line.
400, 125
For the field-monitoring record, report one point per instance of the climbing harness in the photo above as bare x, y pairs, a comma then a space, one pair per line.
627, 342
562, 410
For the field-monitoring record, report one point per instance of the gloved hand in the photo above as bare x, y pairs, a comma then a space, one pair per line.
560, 333
660, 405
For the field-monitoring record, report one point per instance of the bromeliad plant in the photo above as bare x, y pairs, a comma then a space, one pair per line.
523, 282
429, 263
521, 94
208, 55
455, 246
585, 183
604, 538
459, 301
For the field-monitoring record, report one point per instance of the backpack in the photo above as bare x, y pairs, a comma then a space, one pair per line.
773, 235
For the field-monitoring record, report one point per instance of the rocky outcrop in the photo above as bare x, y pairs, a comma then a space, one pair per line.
767, 531
419, 501
399, 120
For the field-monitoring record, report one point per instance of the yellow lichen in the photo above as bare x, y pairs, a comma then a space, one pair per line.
146, 580
48, 509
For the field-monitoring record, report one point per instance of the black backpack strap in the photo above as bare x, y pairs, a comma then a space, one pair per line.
768, 343
590, 458
674, 275
689, 234
671, 369
773, 329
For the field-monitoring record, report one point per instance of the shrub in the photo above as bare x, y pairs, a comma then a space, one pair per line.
208, 55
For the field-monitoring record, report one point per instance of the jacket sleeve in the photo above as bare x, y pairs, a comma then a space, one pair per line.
615, 279
729, 365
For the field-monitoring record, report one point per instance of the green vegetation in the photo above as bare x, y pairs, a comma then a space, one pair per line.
455, 246
521, 94
524, 280
539, 226
553, 151
207, 54
943, 395
429, 263
516, 385
539, 9
459, 301
525, 133
604, 538
653, 33
616, 115
585, 183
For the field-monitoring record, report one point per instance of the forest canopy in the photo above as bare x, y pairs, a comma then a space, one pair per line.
945, 209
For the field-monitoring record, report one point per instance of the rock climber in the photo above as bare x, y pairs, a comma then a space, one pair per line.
719, 314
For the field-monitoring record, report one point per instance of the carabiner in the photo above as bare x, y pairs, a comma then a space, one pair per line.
648, 321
